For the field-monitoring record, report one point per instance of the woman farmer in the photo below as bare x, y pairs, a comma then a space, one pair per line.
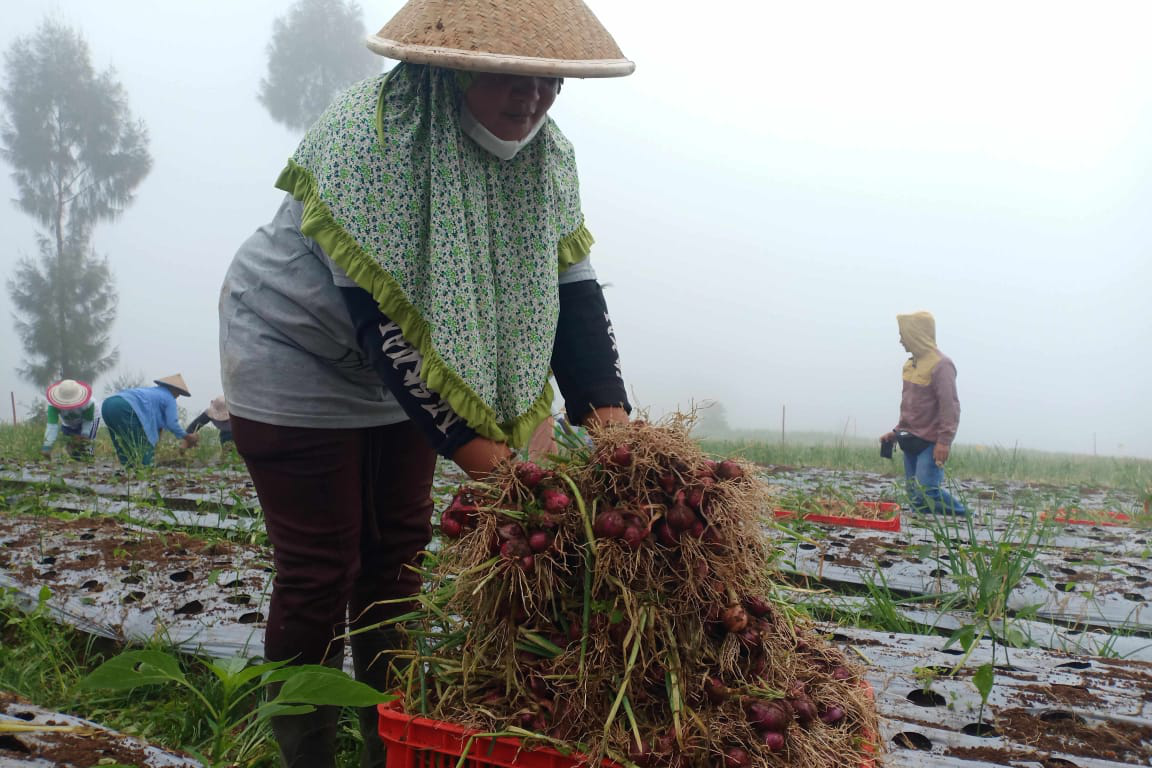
215, 414
71, 411
426, 270
136, 416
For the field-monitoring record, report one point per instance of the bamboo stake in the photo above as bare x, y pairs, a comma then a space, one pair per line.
21, 727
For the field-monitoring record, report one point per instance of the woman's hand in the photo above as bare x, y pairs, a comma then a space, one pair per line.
479, 456
606, 415
190, 440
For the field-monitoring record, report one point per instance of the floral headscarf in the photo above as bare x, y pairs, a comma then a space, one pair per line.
461, 249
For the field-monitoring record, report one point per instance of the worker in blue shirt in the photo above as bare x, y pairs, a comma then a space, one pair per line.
136, 417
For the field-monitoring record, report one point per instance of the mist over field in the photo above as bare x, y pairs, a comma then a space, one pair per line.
770, 188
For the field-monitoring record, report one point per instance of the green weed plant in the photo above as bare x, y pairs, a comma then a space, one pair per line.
987, 566
217, 710
245, 695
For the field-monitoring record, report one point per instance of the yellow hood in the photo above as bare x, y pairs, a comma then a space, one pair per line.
918, 332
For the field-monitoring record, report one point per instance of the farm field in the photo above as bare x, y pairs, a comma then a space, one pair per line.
1019, 636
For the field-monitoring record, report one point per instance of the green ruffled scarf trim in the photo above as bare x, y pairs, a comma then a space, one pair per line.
574, 247
319, 224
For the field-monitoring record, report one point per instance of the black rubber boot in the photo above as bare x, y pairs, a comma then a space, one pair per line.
372, 660
308, 740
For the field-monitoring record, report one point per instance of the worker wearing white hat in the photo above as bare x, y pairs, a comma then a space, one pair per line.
71, 411
215, 414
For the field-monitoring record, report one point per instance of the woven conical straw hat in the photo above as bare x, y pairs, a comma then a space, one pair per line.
176, 382
547, 38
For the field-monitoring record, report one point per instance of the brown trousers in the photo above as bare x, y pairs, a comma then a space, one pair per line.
346, 510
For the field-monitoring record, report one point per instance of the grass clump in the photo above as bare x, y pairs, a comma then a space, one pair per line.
967, 462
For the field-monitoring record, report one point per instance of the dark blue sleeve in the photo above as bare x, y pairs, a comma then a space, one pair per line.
195, 424
398, 364
585, 361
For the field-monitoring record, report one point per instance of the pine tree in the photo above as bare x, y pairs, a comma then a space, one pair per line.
317, 49
68, 303
77, 157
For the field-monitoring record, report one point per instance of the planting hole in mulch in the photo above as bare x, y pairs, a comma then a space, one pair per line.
922, 698
190, 608
912, 740
982, 730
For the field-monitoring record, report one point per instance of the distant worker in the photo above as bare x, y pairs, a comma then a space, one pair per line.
217, 413
136, 416
71, 411
929, 416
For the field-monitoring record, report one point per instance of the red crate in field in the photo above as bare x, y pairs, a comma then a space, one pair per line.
1085, 517
892, 523
413, 741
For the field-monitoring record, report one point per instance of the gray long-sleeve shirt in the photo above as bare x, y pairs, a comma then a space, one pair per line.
288, 349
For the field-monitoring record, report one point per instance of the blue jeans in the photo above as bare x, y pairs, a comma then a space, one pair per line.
923, 479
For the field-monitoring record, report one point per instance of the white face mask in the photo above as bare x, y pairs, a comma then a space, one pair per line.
493, 144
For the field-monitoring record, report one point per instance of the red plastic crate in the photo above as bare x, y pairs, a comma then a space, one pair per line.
1068, 516
891, 524
413, 741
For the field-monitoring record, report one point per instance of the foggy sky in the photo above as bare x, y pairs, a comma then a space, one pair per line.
775, 183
